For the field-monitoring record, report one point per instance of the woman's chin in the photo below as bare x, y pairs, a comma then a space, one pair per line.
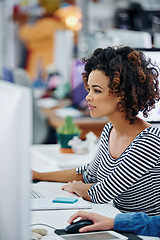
93, 115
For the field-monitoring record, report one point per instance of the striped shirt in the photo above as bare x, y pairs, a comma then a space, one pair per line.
132, 180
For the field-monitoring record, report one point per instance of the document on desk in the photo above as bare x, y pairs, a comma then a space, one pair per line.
52, 190
40, 204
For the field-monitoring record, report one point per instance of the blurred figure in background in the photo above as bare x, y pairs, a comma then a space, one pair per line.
37, 30
37, 34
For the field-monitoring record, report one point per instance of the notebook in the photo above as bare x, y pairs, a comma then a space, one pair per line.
40, 204
44, 193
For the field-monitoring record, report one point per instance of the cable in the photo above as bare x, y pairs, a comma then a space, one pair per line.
42, 224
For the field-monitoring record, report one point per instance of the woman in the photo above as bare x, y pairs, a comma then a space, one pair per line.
139, 223
126, 169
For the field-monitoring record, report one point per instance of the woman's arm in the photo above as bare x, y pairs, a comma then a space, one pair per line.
75, 184
58, 176
139, 223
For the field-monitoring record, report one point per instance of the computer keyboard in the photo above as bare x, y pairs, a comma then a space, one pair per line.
34, 193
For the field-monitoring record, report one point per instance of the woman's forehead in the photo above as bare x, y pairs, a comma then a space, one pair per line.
98, 77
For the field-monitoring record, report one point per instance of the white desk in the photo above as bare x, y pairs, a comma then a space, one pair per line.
58, 218
49, 158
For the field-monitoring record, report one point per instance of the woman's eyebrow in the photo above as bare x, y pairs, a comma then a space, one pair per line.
97, 86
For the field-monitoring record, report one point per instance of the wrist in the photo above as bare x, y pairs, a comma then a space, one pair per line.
85, 192
111, 226
38, 176
107, 223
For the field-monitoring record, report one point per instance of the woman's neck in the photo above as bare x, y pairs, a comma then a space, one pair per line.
122, 126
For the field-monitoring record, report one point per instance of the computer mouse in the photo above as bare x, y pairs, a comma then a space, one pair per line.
75, 226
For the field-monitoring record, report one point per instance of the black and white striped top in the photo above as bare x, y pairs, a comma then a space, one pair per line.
132, 180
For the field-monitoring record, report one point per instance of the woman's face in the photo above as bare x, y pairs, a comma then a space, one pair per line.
100, 102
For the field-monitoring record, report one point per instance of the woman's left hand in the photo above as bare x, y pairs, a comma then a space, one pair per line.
79, 188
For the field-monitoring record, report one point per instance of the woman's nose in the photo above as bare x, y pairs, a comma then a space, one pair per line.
88, 97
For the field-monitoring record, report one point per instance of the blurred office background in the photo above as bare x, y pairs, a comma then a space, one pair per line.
75, 28
96, 21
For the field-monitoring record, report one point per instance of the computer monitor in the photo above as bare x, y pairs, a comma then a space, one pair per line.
154, 114
78, 91
15, 141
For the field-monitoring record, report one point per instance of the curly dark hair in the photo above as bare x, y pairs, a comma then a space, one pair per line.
133, 78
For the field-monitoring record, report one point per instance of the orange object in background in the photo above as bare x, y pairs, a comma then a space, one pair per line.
39, 36
39, 41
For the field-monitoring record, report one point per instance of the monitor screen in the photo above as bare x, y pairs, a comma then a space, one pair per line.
78, 91
15, 142
154, 114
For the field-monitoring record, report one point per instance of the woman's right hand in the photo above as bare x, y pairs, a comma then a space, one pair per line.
35, 175
100, 222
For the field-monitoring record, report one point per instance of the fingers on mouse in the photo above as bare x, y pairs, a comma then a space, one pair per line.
75, 226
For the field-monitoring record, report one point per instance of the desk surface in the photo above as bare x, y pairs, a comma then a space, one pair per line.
58, 218
48, 158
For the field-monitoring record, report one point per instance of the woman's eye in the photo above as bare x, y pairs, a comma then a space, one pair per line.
97, 91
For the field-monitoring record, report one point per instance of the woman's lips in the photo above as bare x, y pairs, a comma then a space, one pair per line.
91, 107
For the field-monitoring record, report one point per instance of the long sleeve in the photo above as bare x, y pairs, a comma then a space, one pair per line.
138, 223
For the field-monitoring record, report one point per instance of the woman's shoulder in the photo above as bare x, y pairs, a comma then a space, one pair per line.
106, 130
149, 137
152, 131
107, 126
